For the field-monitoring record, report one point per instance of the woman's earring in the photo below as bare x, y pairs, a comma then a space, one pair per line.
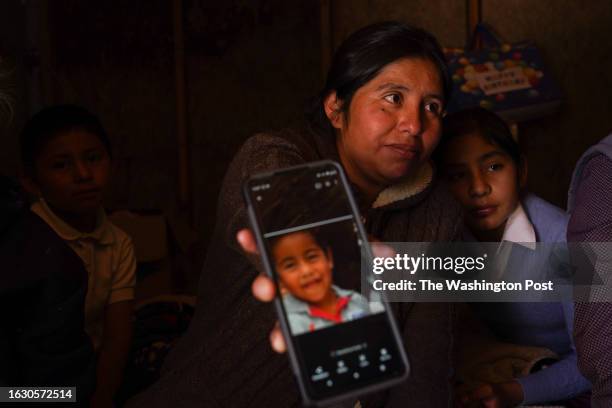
334, 116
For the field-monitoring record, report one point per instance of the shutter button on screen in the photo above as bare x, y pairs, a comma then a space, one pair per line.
363, 361
320, 374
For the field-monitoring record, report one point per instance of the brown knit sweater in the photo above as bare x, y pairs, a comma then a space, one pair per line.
225, 359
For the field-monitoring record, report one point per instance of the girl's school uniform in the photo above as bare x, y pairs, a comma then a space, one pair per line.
545, 324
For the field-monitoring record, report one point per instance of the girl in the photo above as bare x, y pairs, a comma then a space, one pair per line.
486, 173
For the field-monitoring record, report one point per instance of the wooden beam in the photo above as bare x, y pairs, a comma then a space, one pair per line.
327, 46
184, 185
474, 11
47, 54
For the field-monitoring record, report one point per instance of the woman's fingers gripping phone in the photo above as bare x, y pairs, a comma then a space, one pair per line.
262, 287
247, 241
277, 340
381, 250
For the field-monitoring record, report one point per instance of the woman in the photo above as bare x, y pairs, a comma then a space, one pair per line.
379, 115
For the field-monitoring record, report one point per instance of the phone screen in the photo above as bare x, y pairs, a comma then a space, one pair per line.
342, 340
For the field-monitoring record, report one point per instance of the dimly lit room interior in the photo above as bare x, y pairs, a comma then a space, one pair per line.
180, 85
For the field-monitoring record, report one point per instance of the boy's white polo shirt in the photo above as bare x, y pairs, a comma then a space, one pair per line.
108, 255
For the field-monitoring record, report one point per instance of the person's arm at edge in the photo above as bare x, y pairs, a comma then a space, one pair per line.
591, 319
117, 334
113, 352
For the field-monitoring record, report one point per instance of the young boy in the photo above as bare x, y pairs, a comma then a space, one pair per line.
66, 158
304, 265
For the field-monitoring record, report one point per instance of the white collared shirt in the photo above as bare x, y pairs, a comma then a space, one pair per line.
108, 256
519, 229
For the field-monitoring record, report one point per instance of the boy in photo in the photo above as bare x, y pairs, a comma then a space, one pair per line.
304, 265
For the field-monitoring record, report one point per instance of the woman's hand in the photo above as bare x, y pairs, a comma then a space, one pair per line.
263, 287
502, 395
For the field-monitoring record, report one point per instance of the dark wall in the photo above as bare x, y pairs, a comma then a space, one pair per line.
116, 58
250, 66
12, 56
575, 41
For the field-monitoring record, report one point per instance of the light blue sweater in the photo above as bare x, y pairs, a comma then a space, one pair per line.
547, 325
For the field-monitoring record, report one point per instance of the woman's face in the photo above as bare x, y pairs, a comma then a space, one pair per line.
393, 123
304, 268
484, 179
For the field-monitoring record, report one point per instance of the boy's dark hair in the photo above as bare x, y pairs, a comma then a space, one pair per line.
51, 121
314, 232
485, 123
366, 52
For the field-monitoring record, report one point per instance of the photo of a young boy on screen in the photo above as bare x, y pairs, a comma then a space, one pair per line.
304, 265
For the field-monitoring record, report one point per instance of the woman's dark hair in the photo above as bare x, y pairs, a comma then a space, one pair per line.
485, 123
366, 52
50, 122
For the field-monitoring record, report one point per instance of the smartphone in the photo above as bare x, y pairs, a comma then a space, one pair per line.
341, 343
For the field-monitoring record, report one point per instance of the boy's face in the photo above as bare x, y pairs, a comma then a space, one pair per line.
72, 171
304, 268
